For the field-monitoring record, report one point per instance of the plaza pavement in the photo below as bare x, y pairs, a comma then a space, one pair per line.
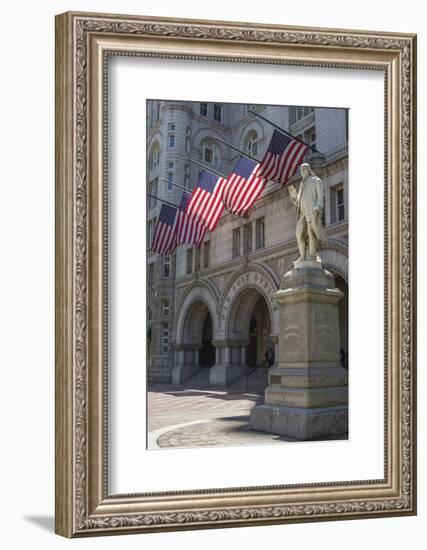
193, 417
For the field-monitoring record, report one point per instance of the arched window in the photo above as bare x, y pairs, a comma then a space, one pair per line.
251, 143
154, 156
210, 152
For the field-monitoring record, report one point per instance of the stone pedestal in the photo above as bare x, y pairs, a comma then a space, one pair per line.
307, 396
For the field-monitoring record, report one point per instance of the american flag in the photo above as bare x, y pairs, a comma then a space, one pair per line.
206, 204
188, 230
283, 156
164, 239
243, 186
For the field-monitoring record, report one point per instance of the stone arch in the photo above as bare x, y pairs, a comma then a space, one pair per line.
210, 151
193, 322
157, 137
262, 281
251, 126
209, 134
334, 255
191, 307
154, 151
239, 318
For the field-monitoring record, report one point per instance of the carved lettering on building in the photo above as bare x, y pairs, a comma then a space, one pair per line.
248, 279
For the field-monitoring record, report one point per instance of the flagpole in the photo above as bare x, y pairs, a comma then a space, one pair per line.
176, 185
235, 148
207, 168
282, 130
162, 200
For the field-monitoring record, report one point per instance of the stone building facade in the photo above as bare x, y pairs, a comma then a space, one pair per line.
211, 312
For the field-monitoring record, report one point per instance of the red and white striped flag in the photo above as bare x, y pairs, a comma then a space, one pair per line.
164, 239
283, 156
243, 186
188, 230
206, 204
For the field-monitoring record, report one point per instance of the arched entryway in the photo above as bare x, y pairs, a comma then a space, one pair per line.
249, 325
247, 335
195, 351
207, 351
258, 334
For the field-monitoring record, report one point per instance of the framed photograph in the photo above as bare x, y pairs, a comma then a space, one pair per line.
235, 274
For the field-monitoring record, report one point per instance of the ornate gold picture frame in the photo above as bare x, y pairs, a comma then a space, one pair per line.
84, 42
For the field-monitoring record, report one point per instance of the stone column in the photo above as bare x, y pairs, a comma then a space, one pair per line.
227, 355
185, 366
224, 372
243, 356
307, 396
217, 355
196, 357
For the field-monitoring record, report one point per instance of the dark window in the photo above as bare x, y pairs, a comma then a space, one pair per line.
204, 109
165, 308
217, 112
210, 152
260, 233
340, 204
169, 177
152, 190
165, 337
236, 242
166, 267
252, 143
297, 113
337, 203
310, 137
247, 238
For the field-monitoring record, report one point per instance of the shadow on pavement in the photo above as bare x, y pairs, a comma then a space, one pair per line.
211, 392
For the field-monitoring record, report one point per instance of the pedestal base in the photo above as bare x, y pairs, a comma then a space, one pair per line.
307, 394
299, 423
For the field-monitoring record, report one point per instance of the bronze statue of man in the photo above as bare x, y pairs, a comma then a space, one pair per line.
309, 201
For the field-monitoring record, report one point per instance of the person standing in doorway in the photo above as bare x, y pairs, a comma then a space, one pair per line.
270, 356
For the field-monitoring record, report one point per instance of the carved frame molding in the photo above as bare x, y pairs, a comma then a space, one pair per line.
83, 43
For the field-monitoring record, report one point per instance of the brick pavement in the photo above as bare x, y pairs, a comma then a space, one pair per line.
194, 417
